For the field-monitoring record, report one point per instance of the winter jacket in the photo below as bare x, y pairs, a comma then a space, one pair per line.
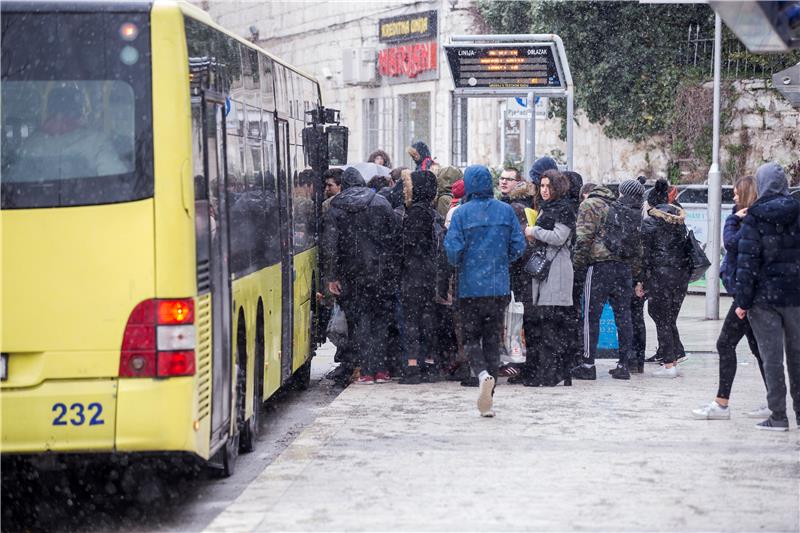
483, 238
445, 179
519, 199
418, 272
768, 266
557, 288
421, 155
731, 234
665, 257
360, 235
589, 246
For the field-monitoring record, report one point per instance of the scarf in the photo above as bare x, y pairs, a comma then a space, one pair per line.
556, 211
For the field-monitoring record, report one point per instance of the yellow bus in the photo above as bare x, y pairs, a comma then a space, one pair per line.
159, 225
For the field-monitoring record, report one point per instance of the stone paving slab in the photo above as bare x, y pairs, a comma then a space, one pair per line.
604, 455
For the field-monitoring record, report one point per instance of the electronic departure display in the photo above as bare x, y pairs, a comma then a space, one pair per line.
504, 66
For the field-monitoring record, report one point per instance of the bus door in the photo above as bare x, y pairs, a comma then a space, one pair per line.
212, 110
287, 249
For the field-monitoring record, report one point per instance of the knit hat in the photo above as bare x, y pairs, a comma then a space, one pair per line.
631, 188
458, 188
540, 166
658, 194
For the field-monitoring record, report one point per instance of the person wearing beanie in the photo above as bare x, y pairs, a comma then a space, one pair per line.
482, 240
540, 166
666, 267
768, 287
458, 192
608, 257
359, 241
632, 195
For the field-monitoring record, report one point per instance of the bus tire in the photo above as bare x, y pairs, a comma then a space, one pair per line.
249, 435
229, 454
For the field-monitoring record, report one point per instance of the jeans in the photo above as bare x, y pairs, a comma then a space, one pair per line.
367, 307
664, 304
481, 320
732, 332
609, 281
777, 328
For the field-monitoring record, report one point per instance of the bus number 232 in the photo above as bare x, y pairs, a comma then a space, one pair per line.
77, 414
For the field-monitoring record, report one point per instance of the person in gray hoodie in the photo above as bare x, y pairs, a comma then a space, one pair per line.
768, 287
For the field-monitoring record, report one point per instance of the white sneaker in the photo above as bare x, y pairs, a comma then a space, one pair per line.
488, 414
664, 372
762, 412
485, 396
712, 411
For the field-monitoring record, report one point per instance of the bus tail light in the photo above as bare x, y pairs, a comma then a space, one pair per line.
159, 340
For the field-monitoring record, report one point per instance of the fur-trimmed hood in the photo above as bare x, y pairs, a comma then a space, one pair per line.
671, 214
523, 191
419, 187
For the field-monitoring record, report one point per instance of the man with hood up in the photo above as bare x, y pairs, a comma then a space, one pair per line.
540, 166
445, 178
484, 237
768, 287
421, 155
359, 241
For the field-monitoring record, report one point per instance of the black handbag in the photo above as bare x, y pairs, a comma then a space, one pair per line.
538, 266
698, 261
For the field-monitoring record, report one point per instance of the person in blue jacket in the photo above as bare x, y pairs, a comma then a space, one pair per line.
483, 238
768, 287
733, 328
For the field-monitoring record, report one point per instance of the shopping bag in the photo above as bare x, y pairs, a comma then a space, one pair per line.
337, 327
514, 351
698, 261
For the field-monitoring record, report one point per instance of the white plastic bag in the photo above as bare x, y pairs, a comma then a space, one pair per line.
337, 326
512, 333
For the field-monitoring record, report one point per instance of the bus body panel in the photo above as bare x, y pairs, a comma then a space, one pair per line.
304, 268
71, 277
59, 416
272, 329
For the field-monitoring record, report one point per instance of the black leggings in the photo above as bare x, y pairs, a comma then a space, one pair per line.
732, 332
663, 305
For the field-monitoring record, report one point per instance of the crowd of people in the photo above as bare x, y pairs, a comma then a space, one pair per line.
423, 264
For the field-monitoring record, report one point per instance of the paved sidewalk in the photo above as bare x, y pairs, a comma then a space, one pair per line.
605, 455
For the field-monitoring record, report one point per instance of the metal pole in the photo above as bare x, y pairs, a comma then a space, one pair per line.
570, 121
714, 189
530, 137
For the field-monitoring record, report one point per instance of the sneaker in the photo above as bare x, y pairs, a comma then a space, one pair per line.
712, 411
620, 373
654, 359
664, 372
488, 414
485, 396
365, 380
761, 412
382, 377
681, 358
772, 424
584, 372
469, 382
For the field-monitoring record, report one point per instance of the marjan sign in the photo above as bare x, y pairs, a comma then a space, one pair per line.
413, 52
408, 60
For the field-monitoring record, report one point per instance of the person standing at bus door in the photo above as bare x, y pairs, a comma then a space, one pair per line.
665, 259
768, 288
483, 239
733, 328
418, 273
359, 240
333, 186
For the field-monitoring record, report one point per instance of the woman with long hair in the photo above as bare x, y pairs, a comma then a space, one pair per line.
745, 194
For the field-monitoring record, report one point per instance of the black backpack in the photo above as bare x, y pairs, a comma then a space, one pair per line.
621, 230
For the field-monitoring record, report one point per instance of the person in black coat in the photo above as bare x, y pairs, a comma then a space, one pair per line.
666, 271
360, 242
768, 287
418, 270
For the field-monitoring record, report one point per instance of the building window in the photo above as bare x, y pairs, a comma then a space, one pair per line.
414, 118
378, 121
458, 144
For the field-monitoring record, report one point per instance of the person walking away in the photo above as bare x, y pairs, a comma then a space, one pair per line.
666, 272
379, 157
483, 238
418, 271
359, 239
552, 297
768, 287
421, 155
733, 328
607, 255
445, 178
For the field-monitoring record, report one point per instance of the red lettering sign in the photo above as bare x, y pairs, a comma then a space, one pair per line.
407, 60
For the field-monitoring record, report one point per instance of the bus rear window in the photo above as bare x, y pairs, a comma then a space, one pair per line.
76, 111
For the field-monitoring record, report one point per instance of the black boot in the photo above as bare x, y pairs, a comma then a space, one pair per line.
411, 376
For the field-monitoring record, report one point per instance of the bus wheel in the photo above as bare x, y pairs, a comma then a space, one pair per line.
249, 435
302, 378
229, 454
